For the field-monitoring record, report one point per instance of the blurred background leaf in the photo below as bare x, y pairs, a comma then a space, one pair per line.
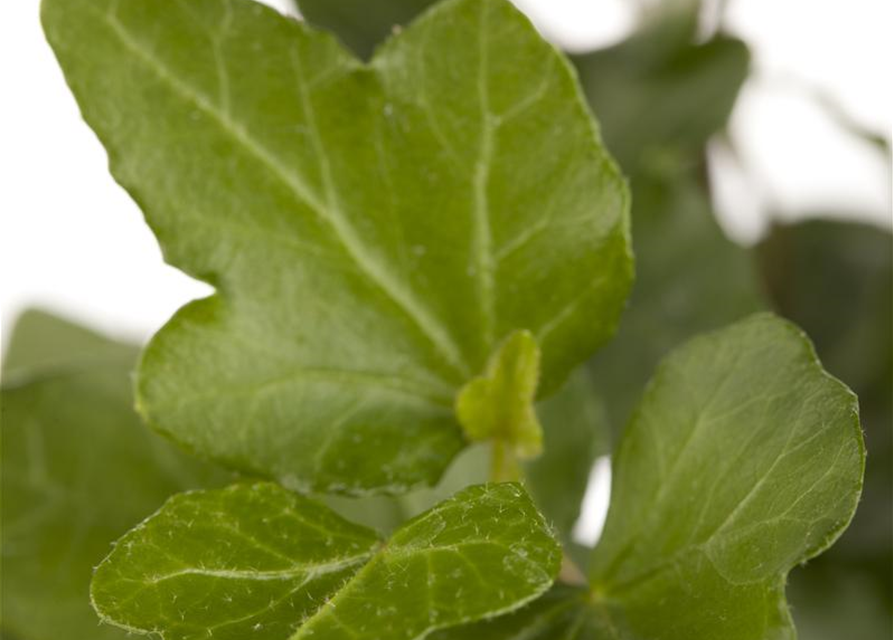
835, 280
78, 470
41, 342
662, 89
361, 24
689, 278
659, 96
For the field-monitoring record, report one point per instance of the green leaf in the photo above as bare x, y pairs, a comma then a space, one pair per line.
695, 83
660, 89
41, 341
743, 460
839, 597
361, 24
374, 231
575, 431
249, 560
690, 278
562, 613
259, 561
78, 470
806, 265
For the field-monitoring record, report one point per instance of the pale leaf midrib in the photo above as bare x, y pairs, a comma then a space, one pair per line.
385, 553
482, 240
306, 572
369, 267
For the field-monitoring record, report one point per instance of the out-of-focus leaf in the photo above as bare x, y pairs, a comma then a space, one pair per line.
362, 24
259, 561
659, 96
659, 89
374, 231
690, 278
78, 470
839, 600
576, 432
835, 279
41, 341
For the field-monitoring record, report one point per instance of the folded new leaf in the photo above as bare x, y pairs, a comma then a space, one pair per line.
262, 562
743, 460
375, 231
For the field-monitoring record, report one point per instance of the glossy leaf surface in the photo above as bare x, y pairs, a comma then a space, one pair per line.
369, 261
660, 95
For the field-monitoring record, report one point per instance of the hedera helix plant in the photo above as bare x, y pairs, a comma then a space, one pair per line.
411, 254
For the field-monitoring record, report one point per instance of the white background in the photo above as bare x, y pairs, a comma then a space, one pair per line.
72, 241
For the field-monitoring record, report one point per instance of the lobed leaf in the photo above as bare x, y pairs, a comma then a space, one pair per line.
743, 460
374, 230
259, 561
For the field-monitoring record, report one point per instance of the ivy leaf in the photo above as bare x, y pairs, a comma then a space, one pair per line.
78, 470
374, 231
743, 460
674, 235
260, 561
806, 265
42, 342
675, 232
575, 433
695, 84
560, 613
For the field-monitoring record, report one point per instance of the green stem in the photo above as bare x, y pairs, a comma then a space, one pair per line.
504, 465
